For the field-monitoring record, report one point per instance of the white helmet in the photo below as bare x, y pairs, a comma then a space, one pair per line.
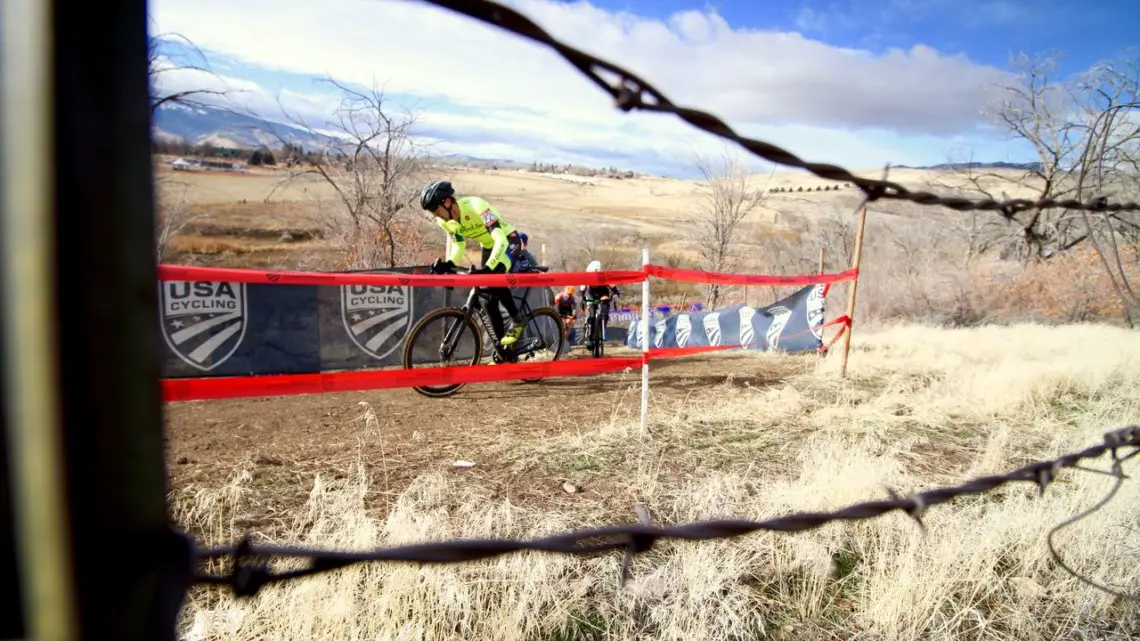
594, 266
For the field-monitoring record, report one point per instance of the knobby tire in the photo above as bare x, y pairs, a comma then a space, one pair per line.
560, 334
600, 339
467, 324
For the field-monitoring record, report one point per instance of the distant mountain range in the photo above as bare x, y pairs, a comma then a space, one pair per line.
198, 125
1028, 166
221, 128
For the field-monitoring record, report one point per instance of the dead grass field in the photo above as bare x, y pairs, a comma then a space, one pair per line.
753, 435
561, 211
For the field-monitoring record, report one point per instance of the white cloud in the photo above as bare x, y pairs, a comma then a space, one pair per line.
172, 76
811, 95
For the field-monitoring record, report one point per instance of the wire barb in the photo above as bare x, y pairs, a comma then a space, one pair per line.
246, 579
637, 544
629, 93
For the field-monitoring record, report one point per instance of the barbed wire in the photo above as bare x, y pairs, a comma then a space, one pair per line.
250, 569
630, 91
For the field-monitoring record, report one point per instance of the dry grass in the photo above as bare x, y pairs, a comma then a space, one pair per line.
922, 407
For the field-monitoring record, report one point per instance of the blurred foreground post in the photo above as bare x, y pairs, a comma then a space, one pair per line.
858, 253
40, 551
98, 556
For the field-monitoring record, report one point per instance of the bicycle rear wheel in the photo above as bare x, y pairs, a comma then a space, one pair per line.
446, 336
603, 319
544, 338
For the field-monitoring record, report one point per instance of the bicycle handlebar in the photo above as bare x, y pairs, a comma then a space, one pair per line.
440, 267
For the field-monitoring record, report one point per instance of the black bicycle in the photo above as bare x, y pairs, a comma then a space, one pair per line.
543, 330
596, 324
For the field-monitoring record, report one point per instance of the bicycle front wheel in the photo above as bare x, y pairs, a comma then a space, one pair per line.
544, 338
600, 338
443, 337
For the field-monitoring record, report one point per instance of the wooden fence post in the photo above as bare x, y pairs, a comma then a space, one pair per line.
855, 258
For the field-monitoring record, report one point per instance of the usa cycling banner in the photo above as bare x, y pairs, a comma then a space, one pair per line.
235, 328
791, 324
230, 323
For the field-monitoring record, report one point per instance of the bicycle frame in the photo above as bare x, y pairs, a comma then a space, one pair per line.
476, 306
601, 317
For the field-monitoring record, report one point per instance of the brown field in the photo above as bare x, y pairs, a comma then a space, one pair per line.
561, 211
732, 435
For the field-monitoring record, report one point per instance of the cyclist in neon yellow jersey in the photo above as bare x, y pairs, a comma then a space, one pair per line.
471, 217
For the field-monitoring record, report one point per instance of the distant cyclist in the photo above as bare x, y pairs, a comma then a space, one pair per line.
564, 304
522, 259
471, 217
592, 295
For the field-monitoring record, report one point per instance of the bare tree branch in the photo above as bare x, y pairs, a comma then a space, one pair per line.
173, 217
1086, 133
727, 198
156, 68
366, 155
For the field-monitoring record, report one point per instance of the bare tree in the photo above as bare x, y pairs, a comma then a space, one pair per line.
159, 64
172, 214
1087, 138
375, 170
727, 198
982, 232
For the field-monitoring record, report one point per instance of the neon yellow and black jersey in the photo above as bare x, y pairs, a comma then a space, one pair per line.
482, 223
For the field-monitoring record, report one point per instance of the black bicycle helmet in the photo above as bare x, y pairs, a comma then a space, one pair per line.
433, 195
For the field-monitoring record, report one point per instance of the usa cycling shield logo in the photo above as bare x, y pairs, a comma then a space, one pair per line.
376, 317
203, 323
682, 330
659, 332
780, 317
747, 331
815, 311
711, 323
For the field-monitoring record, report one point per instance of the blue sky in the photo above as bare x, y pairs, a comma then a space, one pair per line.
858, 82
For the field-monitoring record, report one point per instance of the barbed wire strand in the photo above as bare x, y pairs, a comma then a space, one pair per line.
1117, 472
630, 92
250, 570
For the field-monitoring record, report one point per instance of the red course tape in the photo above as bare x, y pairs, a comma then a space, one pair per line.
220, 387
254, 276
672, 352
549, 279
718, 278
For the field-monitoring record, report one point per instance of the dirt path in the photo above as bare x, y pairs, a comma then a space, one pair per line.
283, 442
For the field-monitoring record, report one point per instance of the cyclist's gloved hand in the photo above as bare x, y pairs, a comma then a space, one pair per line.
442, 266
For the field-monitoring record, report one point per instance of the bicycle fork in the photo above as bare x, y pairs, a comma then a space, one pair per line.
450, 338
